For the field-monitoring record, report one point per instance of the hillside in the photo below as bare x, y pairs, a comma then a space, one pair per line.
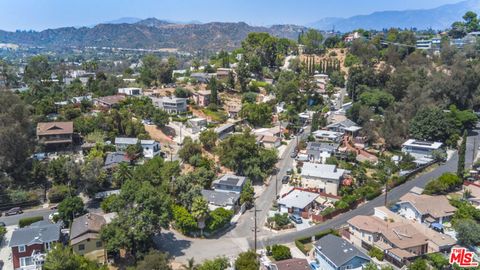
148, 34
437, 18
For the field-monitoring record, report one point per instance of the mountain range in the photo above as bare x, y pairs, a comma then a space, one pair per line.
193, 36
436, 18
150, 33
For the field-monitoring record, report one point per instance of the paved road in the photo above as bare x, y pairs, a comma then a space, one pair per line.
13, 220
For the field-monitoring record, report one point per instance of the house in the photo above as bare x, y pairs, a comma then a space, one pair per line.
400, 239
225, 130
424, 208
197, 124
29, 244
328, 136
351, 37
291, 264
233, 110
229, 183
334, 253
326, 178
318, 152
108, 102
85, 237
171, 104
297, 201
474, 193
130, 91
347, 127
421, 150
269, 142
223, 73
151, 148
55, 134
220, 199
201, 77
114, 159
202, 97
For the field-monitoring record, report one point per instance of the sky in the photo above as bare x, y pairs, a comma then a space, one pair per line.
44, 14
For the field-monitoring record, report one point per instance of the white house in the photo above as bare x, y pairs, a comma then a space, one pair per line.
297, 201
171, 104
151, 148
326, 178
130, 91
421, 150
328, 136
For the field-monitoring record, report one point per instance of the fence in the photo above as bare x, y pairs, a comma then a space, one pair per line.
323, 218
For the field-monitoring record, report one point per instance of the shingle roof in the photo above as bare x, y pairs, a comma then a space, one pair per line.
220, 198
115, 158
88, 223
52, 128
111, 100
338, 250
292, 264
37, 233
436, 206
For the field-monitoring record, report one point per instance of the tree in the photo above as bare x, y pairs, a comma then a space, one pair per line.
446, 183
121, 174
370, 266
70, 208
212, 85
418, 264
312, 41
438, 260
280, 252
220, 263
38, 71
200, 211
182, 92
243, 75
257, 114
15, 131
184, 221
247, 261
154, 260
247, 194
431, 124
468, 232
461, 156
160, 118
208, 138
63, 258
134, 151
190, 265
218, 218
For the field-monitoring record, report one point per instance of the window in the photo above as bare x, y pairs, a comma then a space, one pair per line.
99, 244
26, 261
48, 245
22, 248
81, 247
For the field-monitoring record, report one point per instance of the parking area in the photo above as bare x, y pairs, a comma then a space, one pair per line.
304, 225
5, 251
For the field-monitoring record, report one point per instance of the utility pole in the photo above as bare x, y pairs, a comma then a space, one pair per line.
386, 186
255, 225
276, 184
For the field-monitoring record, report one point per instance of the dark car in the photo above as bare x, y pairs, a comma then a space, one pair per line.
296, 218
290, 172
293, 154
14, 211
285, 179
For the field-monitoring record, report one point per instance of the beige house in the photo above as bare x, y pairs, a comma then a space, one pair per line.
85, 236
326, 178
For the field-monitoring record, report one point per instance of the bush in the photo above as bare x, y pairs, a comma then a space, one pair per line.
3, 231
58, 193
281, 219
218, 219
280, 252
301, 247
109, 204
27, 221
184, 221
323, 233
446, 183
377, 253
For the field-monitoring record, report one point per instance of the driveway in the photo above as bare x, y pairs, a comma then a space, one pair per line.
13, 220
5, 251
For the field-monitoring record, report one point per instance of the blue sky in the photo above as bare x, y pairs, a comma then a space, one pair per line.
43, 14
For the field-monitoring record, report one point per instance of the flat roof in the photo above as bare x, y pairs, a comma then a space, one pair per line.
298, 198
322, 171
423, 144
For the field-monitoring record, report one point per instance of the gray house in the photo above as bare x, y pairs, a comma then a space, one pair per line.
229, 183
171, 104
319, 151
220, 199
335, 253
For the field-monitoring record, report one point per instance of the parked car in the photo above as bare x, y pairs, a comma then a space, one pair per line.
2, 224
14, 211
296, 218
285, 179
290, 172
293, 154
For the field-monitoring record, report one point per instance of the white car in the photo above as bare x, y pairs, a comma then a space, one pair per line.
50, 217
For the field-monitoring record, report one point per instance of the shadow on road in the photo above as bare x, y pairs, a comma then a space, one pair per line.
169, 242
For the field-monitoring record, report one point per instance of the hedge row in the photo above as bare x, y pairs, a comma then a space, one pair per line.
301, 242
27, 221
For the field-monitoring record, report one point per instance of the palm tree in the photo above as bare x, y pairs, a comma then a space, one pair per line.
122, 174
200, 211
190, 265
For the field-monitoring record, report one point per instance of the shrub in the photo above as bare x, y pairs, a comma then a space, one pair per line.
27, 221
377, 253
326, 232
301, 246
280, 252
109, 204
218, 218
446, 183
281, 219
58, 193
3, 231
184, 221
